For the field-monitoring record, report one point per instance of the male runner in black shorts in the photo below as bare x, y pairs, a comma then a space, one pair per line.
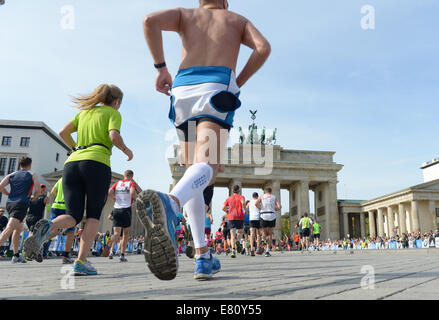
123, 193
22, 183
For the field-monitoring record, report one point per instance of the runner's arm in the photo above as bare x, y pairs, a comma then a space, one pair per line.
226, 206
117, 140
111, 194
253, 39
66, 134
3, 184
258, 203
153, 25
278, 205
36, 180
133, 193
54, 191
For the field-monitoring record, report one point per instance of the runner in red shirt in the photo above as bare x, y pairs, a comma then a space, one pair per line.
234, 205
297, 240
219, 236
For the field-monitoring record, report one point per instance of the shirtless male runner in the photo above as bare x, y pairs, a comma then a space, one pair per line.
204, 97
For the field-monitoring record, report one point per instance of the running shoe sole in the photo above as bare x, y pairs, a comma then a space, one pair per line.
78, 273
83, 274
39, 258
190, 252
203, 277
33, 244
160, 254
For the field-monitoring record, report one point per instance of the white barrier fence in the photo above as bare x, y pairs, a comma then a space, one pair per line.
391, 245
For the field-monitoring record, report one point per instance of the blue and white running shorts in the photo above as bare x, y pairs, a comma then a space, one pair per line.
204, 93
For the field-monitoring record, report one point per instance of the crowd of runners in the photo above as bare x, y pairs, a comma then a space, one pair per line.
204, 97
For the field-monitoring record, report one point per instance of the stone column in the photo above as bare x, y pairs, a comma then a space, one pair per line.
414, 216
372, 231
385, 224
432, 213
362, 225
278, 229
401, 216
380, 222
290, 209
391, 221
346, 224
303, 198
331, 211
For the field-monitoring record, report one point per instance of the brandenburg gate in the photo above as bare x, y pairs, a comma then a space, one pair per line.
258, 163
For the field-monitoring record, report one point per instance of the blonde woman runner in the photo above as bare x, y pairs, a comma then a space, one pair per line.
87, 171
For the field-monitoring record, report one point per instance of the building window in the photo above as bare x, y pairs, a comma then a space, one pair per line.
57, 157
25, 141
3, 162
12, 165
437, 212
6, 141
320, 196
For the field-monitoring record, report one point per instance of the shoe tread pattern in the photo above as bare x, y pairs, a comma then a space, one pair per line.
159, 252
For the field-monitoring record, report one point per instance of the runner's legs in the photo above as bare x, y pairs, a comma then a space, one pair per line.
252, 238
87, 238
12, 225
207, 148
124, 242
16, 238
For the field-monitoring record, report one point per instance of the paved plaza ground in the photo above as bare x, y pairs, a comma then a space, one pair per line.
365, 275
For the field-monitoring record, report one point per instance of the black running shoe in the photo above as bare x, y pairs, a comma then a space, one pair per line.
190, 252
159, 219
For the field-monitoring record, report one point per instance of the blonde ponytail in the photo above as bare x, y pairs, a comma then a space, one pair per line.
105, 94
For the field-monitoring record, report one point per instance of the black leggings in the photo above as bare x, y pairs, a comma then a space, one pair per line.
83, 179
183, 129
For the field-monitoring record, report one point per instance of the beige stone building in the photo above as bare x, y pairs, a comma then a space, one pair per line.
105, 224
257, 166
415, 209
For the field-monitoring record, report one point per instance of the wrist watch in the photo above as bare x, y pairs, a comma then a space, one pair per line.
160, 65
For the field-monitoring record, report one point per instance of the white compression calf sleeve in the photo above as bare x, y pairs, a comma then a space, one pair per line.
196, 215
194, 181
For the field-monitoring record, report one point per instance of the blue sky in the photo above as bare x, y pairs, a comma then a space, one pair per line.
369, 95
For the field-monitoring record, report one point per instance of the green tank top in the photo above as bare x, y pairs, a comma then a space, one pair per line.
305, 223
316, 228
59, 200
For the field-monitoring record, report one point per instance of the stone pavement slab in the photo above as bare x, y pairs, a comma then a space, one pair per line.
363, 275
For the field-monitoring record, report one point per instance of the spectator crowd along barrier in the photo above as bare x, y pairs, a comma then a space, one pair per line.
412, 241
57, 245
135, 245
